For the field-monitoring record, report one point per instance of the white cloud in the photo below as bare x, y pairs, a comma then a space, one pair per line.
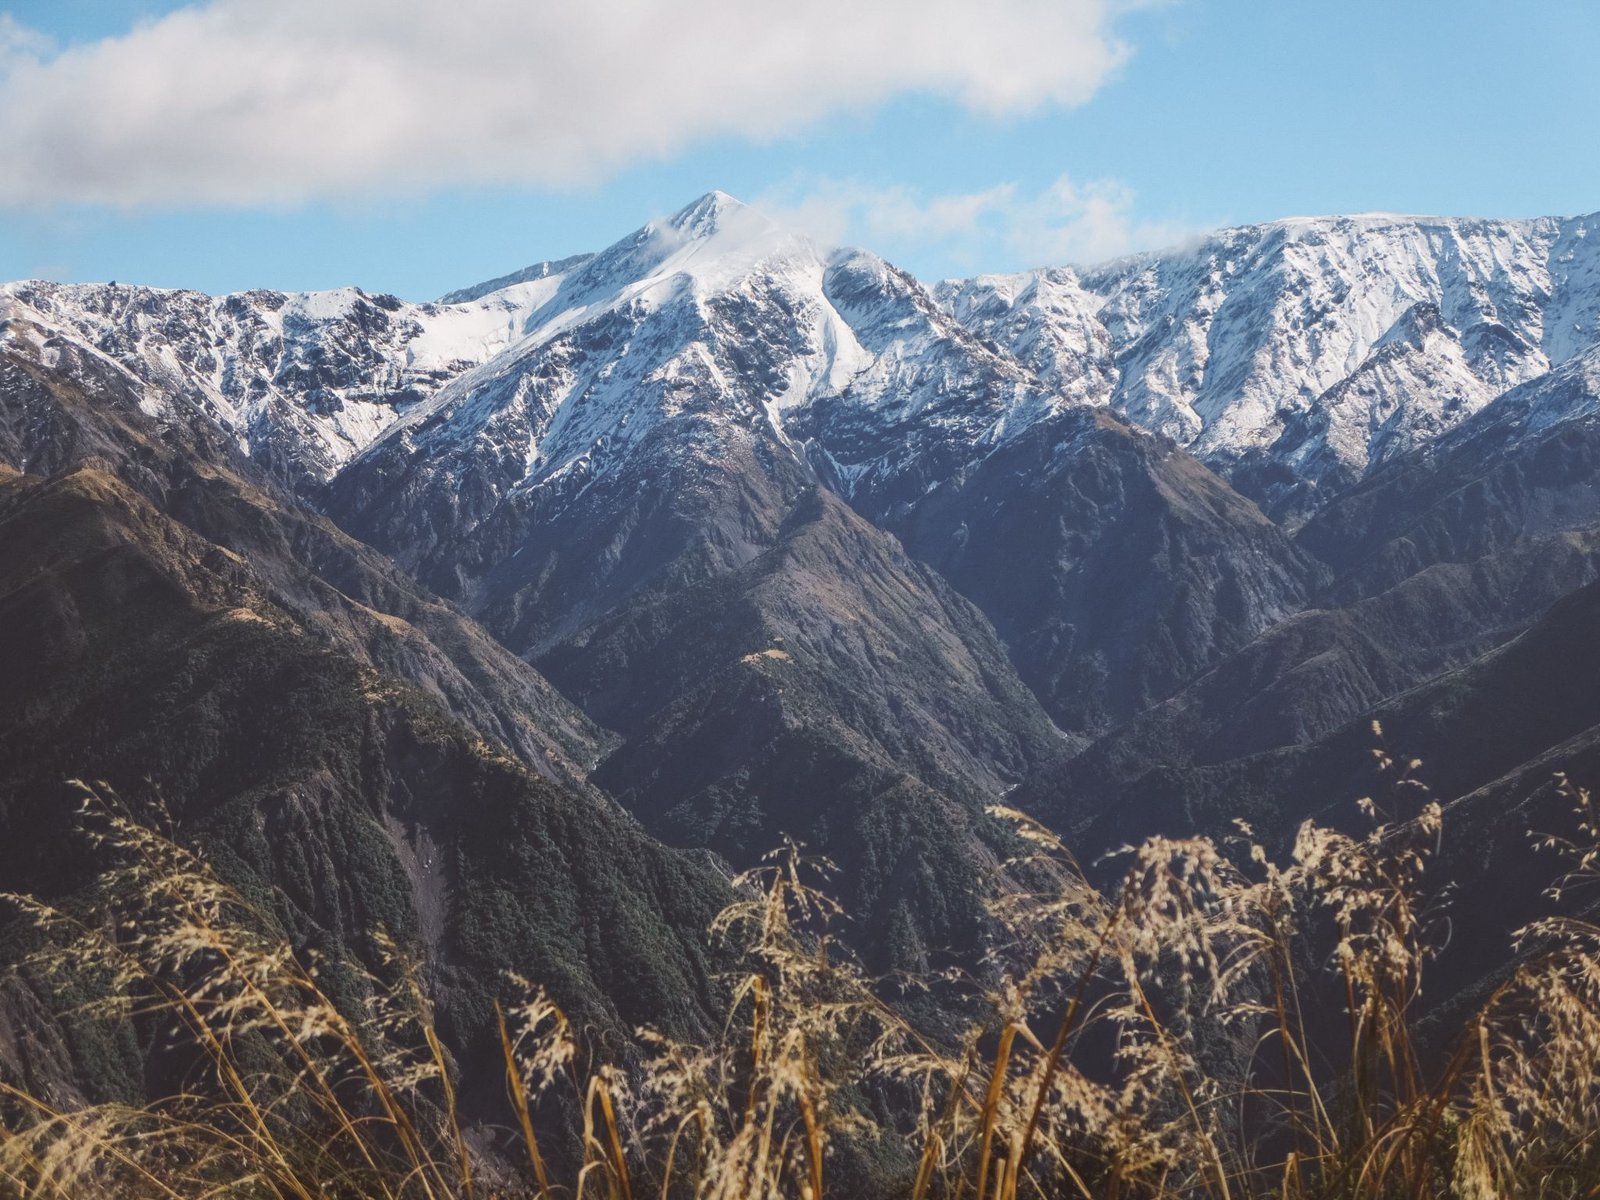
277, 101
18, 43
1065, 222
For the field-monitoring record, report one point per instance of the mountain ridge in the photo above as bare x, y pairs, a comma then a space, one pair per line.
1504, 299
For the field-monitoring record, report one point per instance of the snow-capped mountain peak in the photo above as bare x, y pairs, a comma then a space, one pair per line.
698, 221
1291, 355
707, 215
1320, 344
724, 322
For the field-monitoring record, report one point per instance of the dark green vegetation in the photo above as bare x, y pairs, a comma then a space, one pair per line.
356, 769
350, 802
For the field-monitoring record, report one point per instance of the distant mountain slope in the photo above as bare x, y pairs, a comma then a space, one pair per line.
1525, 466
830, 689
1113, 565
346, 800
66, 406
1444, 559
621, 500
1490, 737
1295, 354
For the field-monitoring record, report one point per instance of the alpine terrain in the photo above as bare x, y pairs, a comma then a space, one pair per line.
497, 634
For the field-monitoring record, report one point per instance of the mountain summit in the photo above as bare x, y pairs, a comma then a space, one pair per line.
708, 215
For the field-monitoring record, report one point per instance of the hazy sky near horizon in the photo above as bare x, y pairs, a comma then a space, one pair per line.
414, 146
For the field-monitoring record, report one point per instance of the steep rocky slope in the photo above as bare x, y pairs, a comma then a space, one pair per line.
1488, 740
1442, 556
1524, 467
1114, 566
621, 500
66, 405
1296, 354
346, 800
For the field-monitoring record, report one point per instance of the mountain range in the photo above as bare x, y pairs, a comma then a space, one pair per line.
514, 622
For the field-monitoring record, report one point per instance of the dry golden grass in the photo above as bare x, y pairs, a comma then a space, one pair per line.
1148, 1041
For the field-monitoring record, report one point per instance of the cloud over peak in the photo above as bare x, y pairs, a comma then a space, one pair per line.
1063, 222
236, 102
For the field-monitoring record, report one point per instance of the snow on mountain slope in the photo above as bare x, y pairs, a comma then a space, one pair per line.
1292, 355
1417, 381
535, 273
303, 379
1047, 320
1277, 342
718, 314
556, 372
1570, 392
934, 398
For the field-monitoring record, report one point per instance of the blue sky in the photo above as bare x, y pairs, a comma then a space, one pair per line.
1166, 118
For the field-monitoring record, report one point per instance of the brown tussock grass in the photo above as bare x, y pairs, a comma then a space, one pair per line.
1153, 1039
